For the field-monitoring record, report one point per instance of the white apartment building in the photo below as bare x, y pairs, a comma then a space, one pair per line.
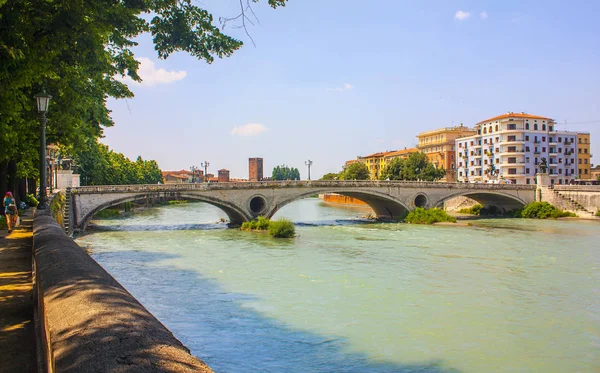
510, 148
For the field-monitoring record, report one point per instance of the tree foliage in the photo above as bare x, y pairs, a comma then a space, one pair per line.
79, 51
99, 165
284, 172
415, 167
331, 176
356, 171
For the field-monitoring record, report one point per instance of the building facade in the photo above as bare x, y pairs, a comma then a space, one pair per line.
255, 169
513, 147
584, 158
439, 146
223, 176
377, 162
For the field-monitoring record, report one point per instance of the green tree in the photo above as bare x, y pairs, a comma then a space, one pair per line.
77, 50
357, 171
284, 172
415, 167
331, 176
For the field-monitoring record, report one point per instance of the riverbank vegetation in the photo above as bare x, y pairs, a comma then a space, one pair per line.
429, 216
280, 228
544, 210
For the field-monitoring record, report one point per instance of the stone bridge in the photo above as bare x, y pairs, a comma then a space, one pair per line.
243, 201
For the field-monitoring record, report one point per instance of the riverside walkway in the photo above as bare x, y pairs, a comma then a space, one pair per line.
17, 341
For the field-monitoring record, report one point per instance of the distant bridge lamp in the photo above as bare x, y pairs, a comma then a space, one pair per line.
308, 163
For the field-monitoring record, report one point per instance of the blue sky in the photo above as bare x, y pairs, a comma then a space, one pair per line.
330, 80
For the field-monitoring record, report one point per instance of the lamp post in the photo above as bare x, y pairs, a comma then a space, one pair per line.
193, 169
43, 101
308, 163
205, 164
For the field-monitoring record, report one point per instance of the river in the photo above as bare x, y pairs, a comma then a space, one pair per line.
344, 295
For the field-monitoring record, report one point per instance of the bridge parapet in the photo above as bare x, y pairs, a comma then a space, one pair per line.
143, 188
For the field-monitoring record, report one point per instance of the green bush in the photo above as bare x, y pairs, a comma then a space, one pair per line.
282, 228
57, 206
31, 200
430, 216
543, 210
178, 202
3, 222
107, 214
598, 213
127, 206
475, 210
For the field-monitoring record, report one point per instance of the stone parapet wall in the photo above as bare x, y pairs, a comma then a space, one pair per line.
89, 322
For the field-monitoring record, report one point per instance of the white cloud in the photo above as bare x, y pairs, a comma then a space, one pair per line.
462, 16
483, 15
250, 129
345, 87
152, 76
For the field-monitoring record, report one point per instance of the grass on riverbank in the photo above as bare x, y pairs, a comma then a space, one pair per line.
429, 216
281, 228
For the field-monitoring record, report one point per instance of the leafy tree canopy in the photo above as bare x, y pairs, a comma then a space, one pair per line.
284, 172
357, 171
331, 176
78, 50
415, 167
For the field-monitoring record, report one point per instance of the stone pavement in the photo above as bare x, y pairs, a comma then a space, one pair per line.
17, 341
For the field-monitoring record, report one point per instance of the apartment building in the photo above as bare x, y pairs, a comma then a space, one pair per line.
511, 146
584, 158
439, 146
377, 162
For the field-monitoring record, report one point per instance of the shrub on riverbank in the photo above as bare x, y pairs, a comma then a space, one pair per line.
598, 213
544, 210
277, 228
475, 210
107, 214
282, 228
430, 216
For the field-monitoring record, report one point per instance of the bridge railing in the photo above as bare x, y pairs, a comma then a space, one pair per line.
151, 188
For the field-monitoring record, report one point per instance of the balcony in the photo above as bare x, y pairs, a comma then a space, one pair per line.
516, 164
512, 151
476, 155
515, 141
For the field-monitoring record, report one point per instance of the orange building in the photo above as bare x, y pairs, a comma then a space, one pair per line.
439, 145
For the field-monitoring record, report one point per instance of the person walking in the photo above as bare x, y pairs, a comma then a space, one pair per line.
10, 211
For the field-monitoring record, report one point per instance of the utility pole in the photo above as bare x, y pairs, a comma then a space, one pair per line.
205, 164
308, 163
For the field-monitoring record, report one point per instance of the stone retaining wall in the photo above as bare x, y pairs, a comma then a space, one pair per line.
90, 322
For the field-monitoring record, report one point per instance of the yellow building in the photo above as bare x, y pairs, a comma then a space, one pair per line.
439, 145
584, 158
377, 162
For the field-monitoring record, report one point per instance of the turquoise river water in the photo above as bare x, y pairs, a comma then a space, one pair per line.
345, 295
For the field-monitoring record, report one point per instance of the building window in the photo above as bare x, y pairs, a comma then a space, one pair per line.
512, 126
543, 127
526, 170
585, 151
527, 137
585, 161
535, 127
543, 138
585, 171
543, 149
559, 139
512, 171
550, 128
579, 160
527, 181
527, 125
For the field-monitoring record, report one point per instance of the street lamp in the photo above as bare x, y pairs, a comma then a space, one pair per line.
308, 163
193, 169
205, 164
43, 101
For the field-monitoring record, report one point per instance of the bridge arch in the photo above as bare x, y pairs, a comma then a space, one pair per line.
505, 201
235, 214
384, 205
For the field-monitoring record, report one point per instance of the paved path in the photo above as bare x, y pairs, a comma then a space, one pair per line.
17, 342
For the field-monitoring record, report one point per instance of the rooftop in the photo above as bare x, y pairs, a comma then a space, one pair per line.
510, 114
